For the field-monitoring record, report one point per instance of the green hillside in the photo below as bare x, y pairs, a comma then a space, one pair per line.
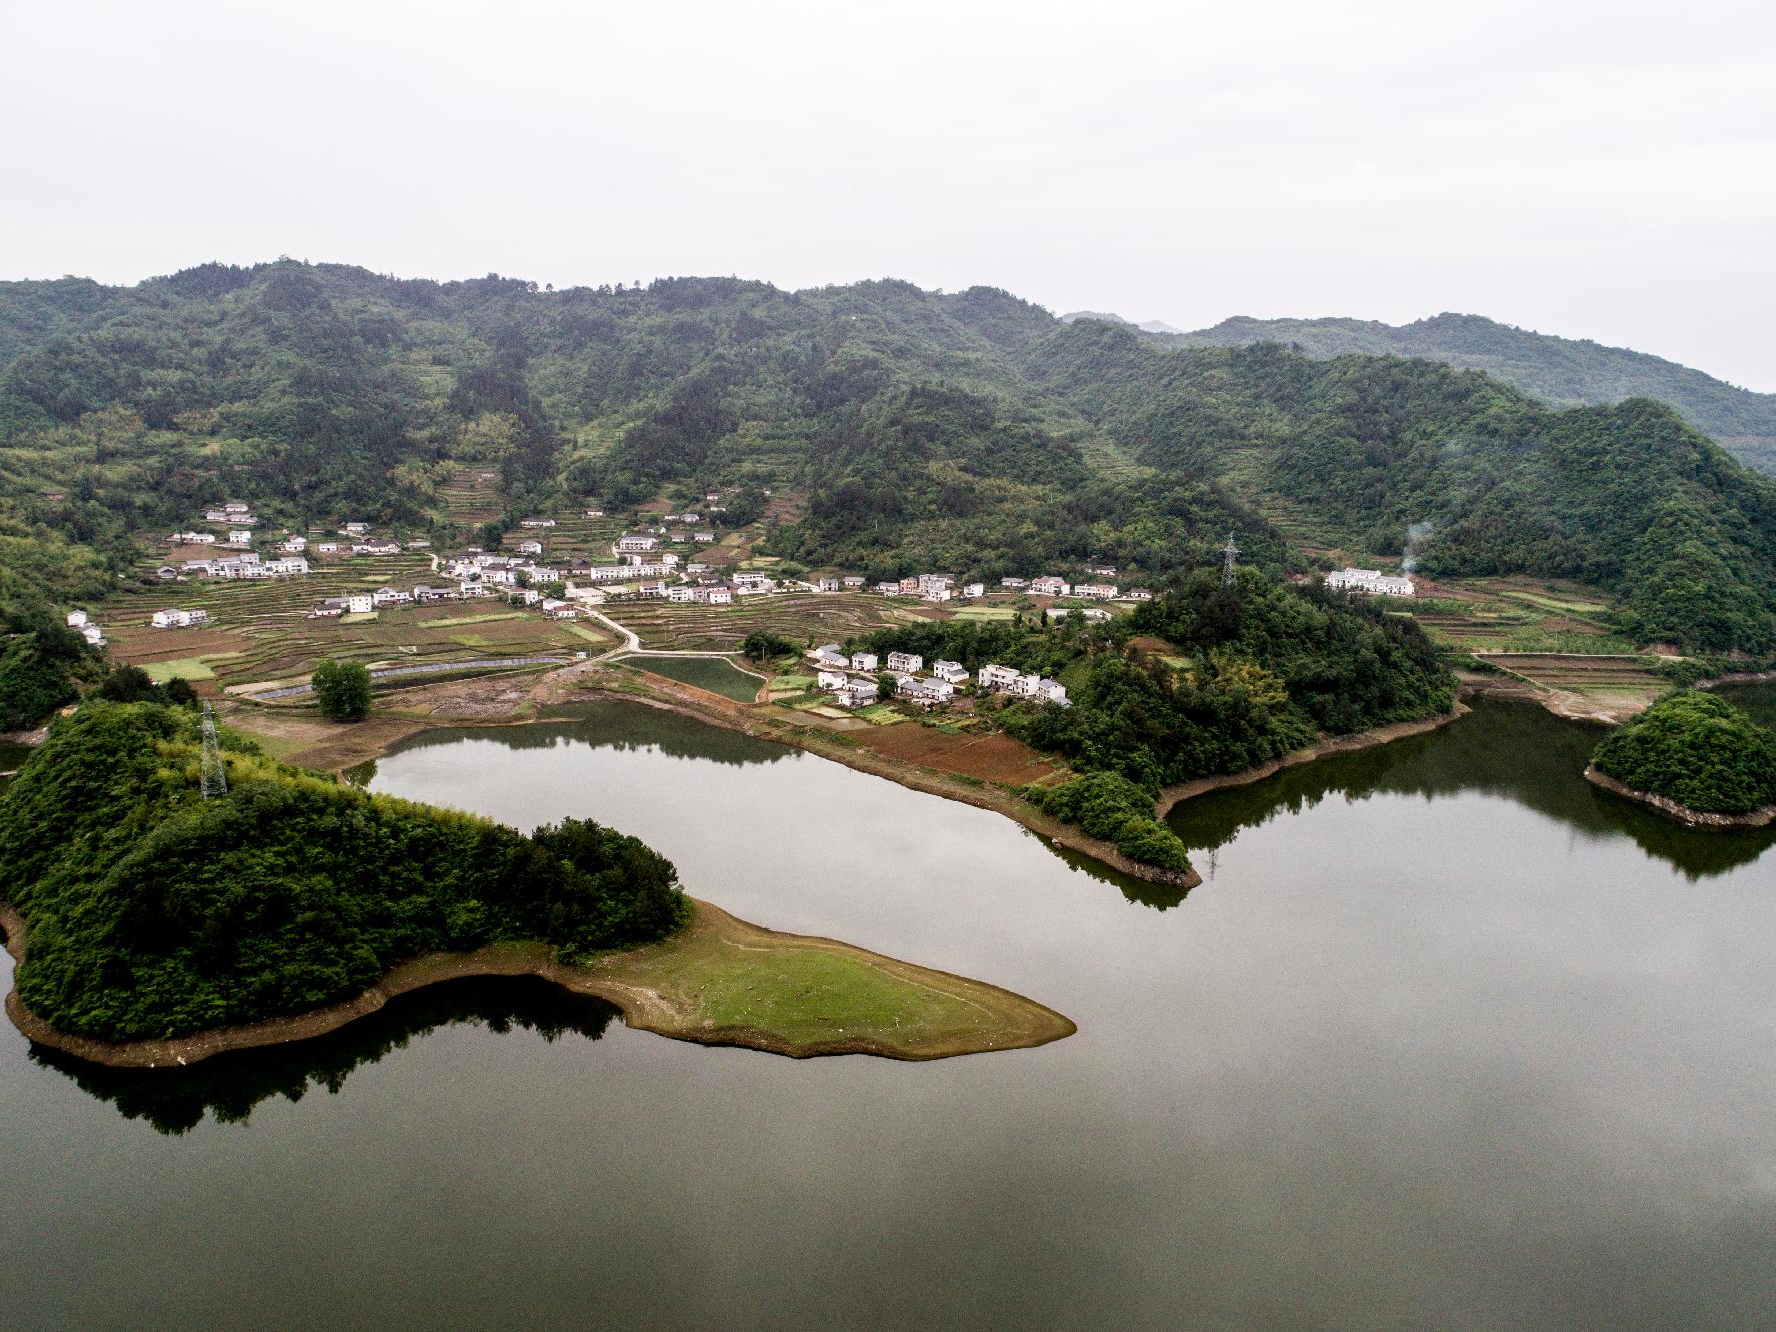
896, 429
1564, 371
1627, 497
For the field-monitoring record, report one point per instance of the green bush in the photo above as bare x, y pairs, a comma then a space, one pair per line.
1697, 749
1109, 806
342, 690
761, 645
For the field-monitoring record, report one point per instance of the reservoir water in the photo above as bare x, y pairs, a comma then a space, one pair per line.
1446, 1038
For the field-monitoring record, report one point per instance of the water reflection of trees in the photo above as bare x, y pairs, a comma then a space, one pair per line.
1514, 750
624, 727
1159, 896
231, 1086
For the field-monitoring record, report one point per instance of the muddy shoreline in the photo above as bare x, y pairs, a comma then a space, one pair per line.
644, 1008
1674, 809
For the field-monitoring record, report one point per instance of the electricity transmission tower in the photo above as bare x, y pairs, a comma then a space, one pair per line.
215, 776
1228, 554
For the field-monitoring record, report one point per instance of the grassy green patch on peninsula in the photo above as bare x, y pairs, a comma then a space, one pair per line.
724, 980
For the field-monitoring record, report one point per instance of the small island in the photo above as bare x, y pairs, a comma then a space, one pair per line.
1695, 757
196, 898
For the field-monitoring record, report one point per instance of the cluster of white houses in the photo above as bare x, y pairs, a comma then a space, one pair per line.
292, 551
1372, 582
854, 681
89, 631
939, 588
248, 565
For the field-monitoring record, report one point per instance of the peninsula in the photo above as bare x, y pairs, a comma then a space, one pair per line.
168, 923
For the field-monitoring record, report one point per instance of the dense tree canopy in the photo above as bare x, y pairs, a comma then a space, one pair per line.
153, 912
342, 690
1696, 749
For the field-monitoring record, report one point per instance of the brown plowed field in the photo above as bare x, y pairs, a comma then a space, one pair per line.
992, 758
139, 646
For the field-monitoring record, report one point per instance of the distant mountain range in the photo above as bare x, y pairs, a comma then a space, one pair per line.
1564, 371
1148, 326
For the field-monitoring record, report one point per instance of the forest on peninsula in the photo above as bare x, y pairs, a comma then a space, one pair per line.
152, 912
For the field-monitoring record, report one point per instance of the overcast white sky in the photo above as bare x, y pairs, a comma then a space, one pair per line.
1595, 170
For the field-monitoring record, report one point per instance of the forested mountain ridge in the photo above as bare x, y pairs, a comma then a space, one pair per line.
970, 431
1567, 372
1627, 497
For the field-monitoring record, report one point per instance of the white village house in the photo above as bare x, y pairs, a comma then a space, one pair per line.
179, 619
1372, 582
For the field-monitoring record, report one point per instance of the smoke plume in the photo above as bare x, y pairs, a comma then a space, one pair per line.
1416, 536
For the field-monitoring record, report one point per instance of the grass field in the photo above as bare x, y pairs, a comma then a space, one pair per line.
184, 668
724, 980
1517, 615
985, 613
1612, 685
712, 673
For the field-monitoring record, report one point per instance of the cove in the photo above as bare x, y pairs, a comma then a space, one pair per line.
1444, 1037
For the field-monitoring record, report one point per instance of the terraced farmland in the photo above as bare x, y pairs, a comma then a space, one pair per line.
1608, 687
1517, 615
797, 616
261, 631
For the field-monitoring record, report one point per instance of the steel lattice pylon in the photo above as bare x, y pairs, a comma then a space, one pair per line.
1228, 552
214, 775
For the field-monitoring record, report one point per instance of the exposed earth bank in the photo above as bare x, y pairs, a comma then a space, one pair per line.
1695, 818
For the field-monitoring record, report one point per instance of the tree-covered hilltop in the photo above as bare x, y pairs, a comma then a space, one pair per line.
1360, 449
153, 912
1567, 372
1201, 681
898, 430
1696, 749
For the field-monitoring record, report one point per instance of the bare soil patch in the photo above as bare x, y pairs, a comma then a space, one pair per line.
990, 758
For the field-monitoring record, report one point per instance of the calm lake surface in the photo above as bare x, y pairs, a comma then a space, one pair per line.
1446, 1039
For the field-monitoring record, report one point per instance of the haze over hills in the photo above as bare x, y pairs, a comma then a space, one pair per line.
1564, 371
899, 429
1146, 326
